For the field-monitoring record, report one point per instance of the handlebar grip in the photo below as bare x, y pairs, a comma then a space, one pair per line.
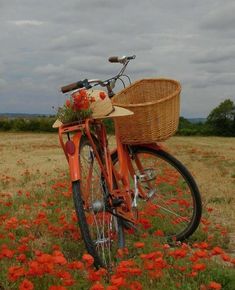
73, 86
113, 59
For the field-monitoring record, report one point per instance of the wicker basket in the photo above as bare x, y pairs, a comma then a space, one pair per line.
156, 104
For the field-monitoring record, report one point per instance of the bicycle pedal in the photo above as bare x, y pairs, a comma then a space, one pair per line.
147, 174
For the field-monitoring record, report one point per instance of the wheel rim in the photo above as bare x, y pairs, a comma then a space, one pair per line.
169, 211
103, 227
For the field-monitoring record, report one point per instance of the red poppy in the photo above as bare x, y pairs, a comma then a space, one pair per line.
149, 265
226, 258
58, 258
15, 272
122, 252
135, 271
97, 286
26, 285
88, 259
21, 258
64, 275
68, 103
117, 281
94, 276
151, 256
214, 285
127, 263
81, 103
136, 286
35, 269
178, 253
111, 287
11, 236
5, 252
201, 254
45, 258
202, 245
159, 233
217, 251
199, 267
86, 103
139, 245
77, 96
56, 247
75, 265
83, 93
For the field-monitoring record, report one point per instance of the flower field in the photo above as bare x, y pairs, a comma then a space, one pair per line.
41, 246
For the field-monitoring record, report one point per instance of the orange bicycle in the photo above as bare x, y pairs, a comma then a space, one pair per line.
133, 191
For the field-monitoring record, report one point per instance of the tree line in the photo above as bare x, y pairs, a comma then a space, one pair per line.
19, 124
220, 122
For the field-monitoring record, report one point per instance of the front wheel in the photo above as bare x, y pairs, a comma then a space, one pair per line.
169, 203
101, 231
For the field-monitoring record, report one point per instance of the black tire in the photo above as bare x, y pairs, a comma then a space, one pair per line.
101, 218
190, 202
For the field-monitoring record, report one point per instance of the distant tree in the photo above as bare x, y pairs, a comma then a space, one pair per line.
5, 125
222, 118
184, 123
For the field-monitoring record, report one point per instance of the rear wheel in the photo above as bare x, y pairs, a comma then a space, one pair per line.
102, 232
172, 207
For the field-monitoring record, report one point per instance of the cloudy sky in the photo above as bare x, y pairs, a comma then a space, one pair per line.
48, 43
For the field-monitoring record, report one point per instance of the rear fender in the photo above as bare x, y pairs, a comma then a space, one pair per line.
155, 146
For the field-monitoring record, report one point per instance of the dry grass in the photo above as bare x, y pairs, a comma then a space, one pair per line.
212, 162
29, 158
29, 161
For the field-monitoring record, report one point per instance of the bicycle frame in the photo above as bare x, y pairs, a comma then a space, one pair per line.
71, 151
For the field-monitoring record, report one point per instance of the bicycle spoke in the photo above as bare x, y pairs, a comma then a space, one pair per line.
167, 202
101, 223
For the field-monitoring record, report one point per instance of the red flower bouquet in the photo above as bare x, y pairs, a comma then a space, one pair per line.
76, 108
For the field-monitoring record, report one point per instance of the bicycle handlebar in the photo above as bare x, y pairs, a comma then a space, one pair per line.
113, 59
86, 83
122, 59
73, 86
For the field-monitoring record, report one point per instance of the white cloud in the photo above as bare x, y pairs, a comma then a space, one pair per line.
27, 22
46, 46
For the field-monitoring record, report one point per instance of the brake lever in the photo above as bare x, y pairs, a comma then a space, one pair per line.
112, 84
86, 84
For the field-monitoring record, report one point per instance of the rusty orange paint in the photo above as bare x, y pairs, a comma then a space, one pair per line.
73, 160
